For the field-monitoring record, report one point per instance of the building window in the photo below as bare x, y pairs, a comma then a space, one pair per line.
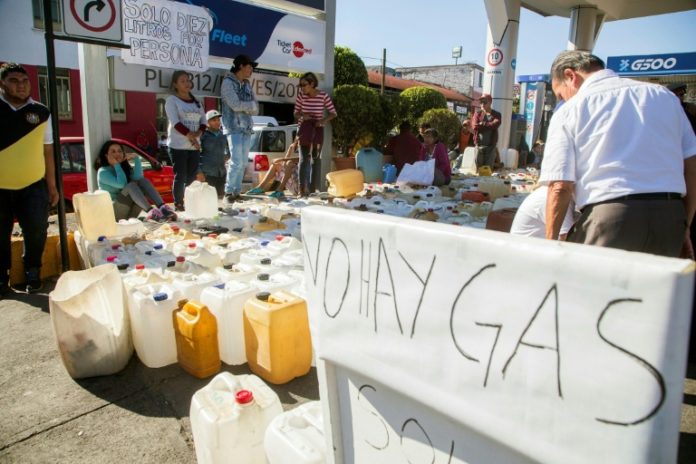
37, 8
480, 79
117, 102
62, 88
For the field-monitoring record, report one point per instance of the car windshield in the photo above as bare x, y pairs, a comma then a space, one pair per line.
273, 141
73, 157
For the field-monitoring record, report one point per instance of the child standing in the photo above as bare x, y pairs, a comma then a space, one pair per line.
214, 153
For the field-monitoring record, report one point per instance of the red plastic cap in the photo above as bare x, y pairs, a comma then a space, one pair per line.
192, 245
212, 235
110, 259
180, 259
280, 237
115, 246
175, 229
244, 397
187, 221
140, 266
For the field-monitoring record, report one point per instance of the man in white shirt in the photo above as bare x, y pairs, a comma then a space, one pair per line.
625, 150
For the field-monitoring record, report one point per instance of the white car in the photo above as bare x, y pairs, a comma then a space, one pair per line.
268, 143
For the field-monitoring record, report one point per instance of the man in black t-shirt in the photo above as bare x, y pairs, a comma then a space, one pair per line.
27, 174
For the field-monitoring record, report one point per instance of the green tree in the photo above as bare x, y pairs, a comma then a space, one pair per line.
389, 113
415, 101
359, 112
445, 122
348, 67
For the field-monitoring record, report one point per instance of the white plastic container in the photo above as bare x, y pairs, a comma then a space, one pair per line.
297, 436
141, 275
200, 200
233, 252
90, 322
95, 214
283, 243
129, 227
290, 260
274, 282
229, 417
151, 308
226, 302
96, 250
191, 285
238, 272
256, 256
510, 158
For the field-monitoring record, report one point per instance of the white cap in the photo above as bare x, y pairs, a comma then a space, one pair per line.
212, 114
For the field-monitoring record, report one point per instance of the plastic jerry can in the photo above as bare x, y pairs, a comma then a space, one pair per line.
369, 161
265, 223
501, 219
388, 173
191, 285
297, 436
226, 302
229, 417
151, 323
280, 280
196, 332
200, 200
345, 183
95, 214
510, 158
90, 322
468, 165
277, 338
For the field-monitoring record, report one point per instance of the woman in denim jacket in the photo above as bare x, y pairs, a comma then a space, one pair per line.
239, 104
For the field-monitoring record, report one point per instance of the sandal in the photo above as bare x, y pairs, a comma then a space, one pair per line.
277, 195
256, 191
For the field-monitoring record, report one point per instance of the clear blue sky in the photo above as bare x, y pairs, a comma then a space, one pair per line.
421, 33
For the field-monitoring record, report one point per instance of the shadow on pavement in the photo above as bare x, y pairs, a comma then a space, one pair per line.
170, 389
37, 300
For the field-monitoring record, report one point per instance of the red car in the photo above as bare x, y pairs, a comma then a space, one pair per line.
72, 154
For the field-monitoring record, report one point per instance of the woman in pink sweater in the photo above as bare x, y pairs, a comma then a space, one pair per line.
433, 148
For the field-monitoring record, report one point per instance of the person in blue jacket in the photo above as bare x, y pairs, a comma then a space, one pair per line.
128, 187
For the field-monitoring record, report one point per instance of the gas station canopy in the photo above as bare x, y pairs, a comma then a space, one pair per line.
613, 9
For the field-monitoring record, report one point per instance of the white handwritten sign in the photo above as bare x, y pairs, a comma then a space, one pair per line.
166, 34
441, 344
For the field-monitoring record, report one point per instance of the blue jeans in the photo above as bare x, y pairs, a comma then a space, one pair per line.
30, 206
185, 165
134, 198
240, 144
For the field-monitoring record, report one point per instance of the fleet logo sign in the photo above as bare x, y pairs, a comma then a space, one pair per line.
277, 40
675, 63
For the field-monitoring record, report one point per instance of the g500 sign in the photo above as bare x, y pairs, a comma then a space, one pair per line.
653, 63
673, 63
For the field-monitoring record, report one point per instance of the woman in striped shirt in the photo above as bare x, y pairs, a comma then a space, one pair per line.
310, 108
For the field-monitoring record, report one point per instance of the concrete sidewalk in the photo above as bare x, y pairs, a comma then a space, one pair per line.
138, 415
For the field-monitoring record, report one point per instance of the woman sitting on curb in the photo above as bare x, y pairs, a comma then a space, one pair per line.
434, 149
283, 173
128, 188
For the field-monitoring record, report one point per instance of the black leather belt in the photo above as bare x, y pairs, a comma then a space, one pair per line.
640, 196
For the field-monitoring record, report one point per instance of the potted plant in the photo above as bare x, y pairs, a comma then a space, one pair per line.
358, 110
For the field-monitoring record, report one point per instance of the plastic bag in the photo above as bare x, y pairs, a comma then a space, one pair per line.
419, 173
